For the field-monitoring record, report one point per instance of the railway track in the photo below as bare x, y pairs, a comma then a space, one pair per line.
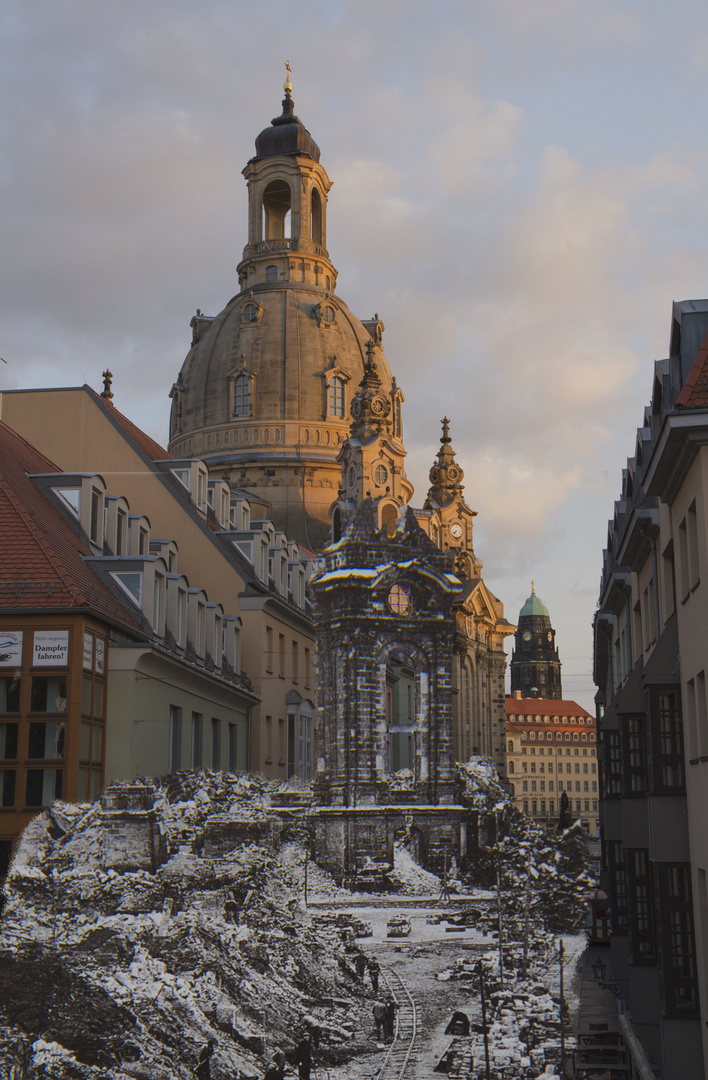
398, 1058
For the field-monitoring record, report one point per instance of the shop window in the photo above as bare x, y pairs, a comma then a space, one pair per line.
7, 788
48, 694
43, 787
8, 741
9, 693
45, 740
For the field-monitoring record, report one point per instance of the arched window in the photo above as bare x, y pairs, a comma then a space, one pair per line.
511, 746
316, 204
242, 395
271, 273
511, 766
336, 397
336, 525
276, 205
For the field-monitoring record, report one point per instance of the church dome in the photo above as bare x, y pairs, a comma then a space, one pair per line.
265, 391
286, 135
534, 606
276, 335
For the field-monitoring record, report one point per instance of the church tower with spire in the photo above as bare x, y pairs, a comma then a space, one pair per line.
265, 391
535, 664
479, 659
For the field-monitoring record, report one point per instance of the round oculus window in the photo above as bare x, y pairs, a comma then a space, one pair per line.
399, 600
380, 475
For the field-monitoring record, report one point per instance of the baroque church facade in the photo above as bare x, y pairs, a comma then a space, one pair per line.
288, 397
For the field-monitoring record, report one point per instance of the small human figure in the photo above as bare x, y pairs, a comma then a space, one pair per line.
374, 970
202, 1070
380, 1011
360, 965
391, 1007
303, 1058
279, 1061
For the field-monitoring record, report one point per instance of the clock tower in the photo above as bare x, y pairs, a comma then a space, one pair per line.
535, 664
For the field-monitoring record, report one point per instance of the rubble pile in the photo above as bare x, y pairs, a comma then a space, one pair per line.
127, 973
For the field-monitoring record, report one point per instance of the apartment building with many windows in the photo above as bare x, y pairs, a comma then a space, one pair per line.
551, 749
651, 657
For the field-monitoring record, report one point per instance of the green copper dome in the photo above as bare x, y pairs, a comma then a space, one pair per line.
534, 606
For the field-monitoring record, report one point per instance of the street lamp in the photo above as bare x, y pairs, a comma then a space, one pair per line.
598, 969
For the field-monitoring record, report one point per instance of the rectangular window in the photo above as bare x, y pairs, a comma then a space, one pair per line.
175, 738
95, 514
295, 662
641, 906
269, 649
281, 655
45, 740
233, 747
197, 722
43, 787
268, 739
635, 758
307, 667
9, 693
281, 741
48, 694
7, 788
8, 742
215, 743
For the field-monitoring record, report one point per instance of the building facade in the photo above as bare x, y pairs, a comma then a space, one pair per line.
535, 665
222, 541
651, 653
552, 749
111, 665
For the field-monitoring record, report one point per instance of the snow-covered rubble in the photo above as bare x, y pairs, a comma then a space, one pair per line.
111, 968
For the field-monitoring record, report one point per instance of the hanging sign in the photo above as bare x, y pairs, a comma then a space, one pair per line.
88, 651
100, 655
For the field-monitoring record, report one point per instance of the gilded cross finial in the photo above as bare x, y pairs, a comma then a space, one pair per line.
533, 588
287, 85
107, 379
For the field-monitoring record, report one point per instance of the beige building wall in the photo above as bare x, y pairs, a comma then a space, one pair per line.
77, 432
147, 688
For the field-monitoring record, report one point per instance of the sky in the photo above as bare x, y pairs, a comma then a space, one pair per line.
518, 191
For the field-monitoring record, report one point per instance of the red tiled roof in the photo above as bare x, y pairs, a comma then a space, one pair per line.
518, 707
153, 449
694, 392
41, 557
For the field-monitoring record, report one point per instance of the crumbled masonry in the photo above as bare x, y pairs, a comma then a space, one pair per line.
124, 971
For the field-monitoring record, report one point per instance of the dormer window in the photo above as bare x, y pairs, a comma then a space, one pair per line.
326, 315
334, 381
72, 498
132, 584
242, 395
336, 397
250, 313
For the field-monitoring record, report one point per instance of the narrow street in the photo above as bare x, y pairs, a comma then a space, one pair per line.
434, 965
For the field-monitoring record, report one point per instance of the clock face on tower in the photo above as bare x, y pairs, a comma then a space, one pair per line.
526, 635
456, 530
